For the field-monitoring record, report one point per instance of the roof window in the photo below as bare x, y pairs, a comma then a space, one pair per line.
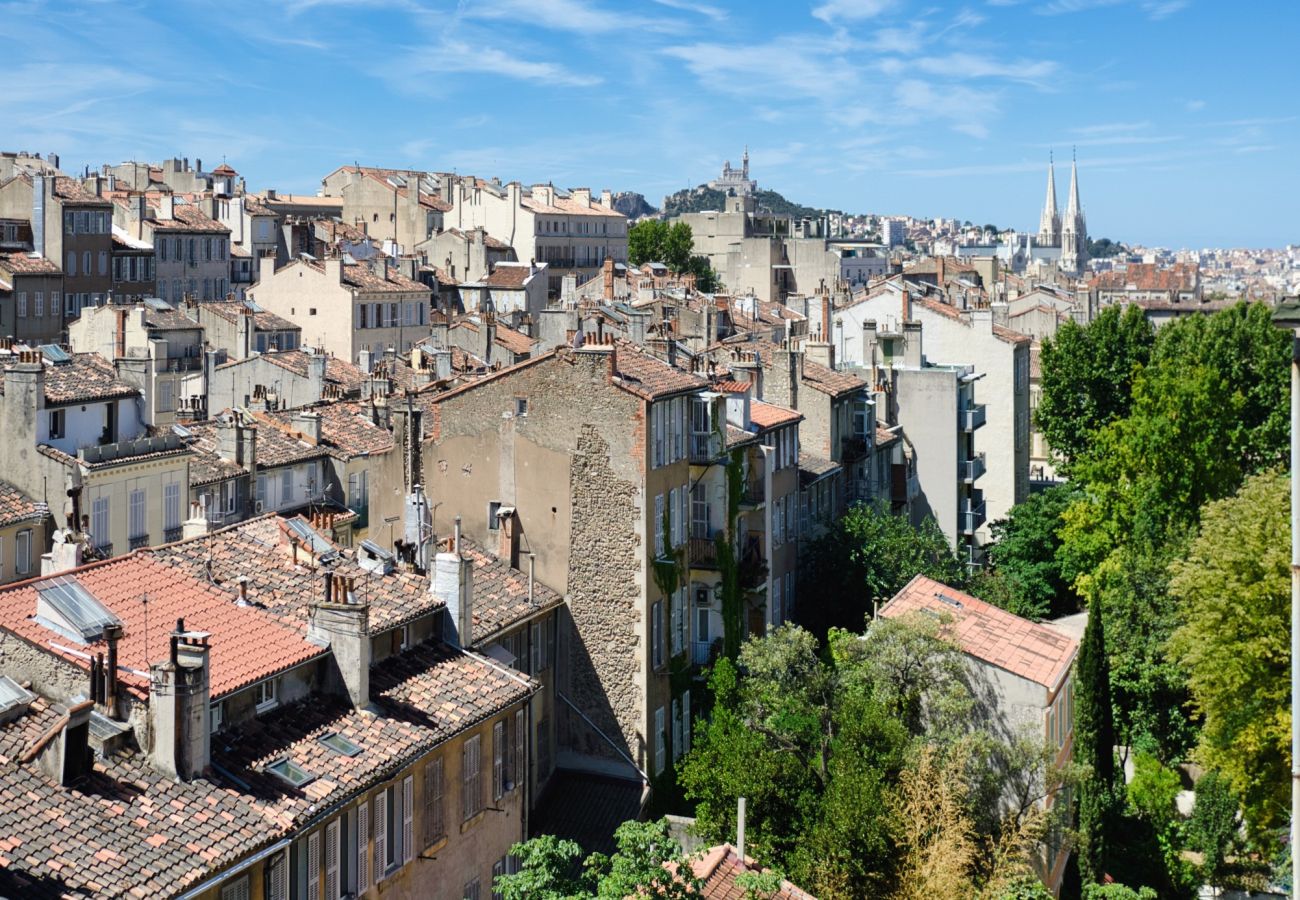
65, 605
289, 771
339, 744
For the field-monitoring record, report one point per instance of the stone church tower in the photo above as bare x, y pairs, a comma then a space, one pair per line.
1049, 225
1074, 230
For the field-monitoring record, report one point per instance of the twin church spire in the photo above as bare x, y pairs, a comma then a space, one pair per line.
1069, 232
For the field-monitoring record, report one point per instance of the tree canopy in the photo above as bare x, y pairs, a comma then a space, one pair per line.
654, 240
1024, 575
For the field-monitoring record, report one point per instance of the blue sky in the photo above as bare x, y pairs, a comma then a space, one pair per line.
1184, 112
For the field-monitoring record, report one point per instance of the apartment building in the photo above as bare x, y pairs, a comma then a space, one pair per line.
315, 736
191, 247
400, 207
76, 441
567, 230
134, 275
72, 227
343, 307
254, 229
24, 524
31, 291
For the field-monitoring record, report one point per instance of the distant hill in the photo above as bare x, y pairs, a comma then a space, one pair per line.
633, 205
704, 198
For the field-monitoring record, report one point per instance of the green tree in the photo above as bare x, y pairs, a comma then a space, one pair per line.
1094, 742
1232, 591
1087, 376
647, 861
1117, 892
1027, 887
678, 247
1212, 829
646, 240
868, 555
1023, 557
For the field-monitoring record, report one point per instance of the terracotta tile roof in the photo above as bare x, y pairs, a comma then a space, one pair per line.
738, 436
260, 550
85, 378
337, 371
510, 277
169, 320
361, 277
247, 644
186, 217
813, 468
24, 263
345, 427
1008, 336
334, 230
514, 341
769, 415
426, 199
815, 375
570, 207
1179, 277
718, 869
988, 633
126, 830
944, 309
501, 593
224, 169
72, 191
230, 310
488, 240
15, 506
276, 446
647, 376
884, 435
732, 387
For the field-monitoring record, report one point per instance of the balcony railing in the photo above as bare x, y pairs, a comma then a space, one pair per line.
182, 364
973, 468
753, 567
971, 516
171, 535
971, 417
140, 540
704, 553
701, 652
752, 492
705, 448
852, 448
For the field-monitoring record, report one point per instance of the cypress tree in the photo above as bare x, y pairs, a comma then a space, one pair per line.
1094, 747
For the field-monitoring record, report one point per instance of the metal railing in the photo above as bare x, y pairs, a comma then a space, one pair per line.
972, 468
140, 540
704, 552
972, 417
971, 516
704, 448
172, 535
700, 652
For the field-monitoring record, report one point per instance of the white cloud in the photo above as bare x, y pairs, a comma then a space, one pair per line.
969, 65
832, 11
455, 57
1194, 105
579, 16
715, 13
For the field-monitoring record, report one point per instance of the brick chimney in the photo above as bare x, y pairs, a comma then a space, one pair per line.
453, 584
508, 532
178, 702
24, 399
608, 271
342, 620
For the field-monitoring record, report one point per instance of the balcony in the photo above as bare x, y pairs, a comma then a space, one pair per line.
972, 469
704, 553
971, 417
752, 572
852, 449
752, 493
970, 515
705, 448
181, 364
701, 652
171, 535
140, 540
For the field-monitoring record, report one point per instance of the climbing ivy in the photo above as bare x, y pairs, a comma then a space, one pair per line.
728, 564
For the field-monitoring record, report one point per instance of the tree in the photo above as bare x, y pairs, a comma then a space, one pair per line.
654, 240
1117, 892
648, 860
678, 247
1026, 887
1212, 829
868, 555
1087, 376
1094, 743
1232, 590
1023, 557
935, 835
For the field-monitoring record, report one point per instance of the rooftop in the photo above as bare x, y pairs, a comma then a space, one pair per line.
82, 378
15, 506
720, 865
989, 633
27, 263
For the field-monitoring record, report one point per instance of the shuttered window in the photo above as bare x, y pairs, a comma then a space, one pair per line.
519, 763
313, 865
498, 759
434, 827
363, 848
236, 890
471, 777
408, 818
381, 833
332, 861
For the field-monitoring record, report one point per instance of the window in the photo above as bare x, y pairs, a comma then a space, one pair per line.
166, 400
261, 490
39, 309
380, 813
99, 523
659, 741
286, 486
136, 526
70, 264
408, 819
332, 831
519, 759
87, 263
677, 730
103, 262
276, 877
288, 770
521, 406
498, 869
56, 423
493, 522
789, 596
434, 824
471, 787
776, 600
162, 249
22, 304
216, 716
658, 525
266, 694
54, 303
23, 552
236, 889
498, 759
363, 848
543, 747
472, 889
657, 634
686, 721
702, 626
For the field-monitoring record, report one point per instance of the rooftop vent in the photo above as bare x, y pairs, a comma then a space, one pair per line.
944, 598
309, 537
374, 558
159, 305
64, 605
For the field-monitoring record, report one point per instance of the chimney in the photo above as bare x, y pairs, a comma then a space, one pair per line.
309, 424
334, 269
119, 339
196, 525
167, 206
907, 305
342, 620
912, 356
532, 576
740, 830
582, 197
139, 212
453, 584
316, 365
112, 636
24, 396
178, 700
508, 531
607, 199
609, 279
40, 197
939, 273
487, 335
870, 344
63, 752
265, 267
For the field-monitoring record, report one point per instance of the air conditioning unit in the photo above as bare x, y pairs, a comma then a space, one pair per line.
257, 506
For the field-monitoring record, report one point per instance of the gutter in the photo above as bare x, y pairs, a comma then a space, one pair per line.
245, 864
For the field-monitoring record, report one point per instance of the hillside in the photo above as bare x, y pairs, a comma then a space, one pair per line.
633, 205
703, 198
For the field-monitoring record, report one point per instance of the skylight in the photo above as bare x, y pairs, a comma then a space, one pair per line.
157, 304
339, 744
944, 598
64, 603
309, 536
14, 699
56, 354
288, 771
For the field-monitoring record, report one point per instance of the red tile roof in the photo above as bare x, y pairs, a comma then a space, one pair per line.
186, 217
247, 644
1179, 277
718, 869
510, 277
72, 191
15, 506
24, 263
769, 415
989, 633
87, 377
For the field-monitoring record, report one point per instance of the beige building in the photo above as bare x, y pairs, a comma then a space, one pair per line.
23, 526
398, 207
31, 304
343, 307
191, 247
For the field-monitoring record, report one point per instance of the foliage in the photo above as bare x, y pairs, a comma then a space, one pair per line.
1023, 557
647, 860
1087, 376
870, 554
1212, 828
759, 885
654, 240
1103, 248
1117, 892
1094, 741
1153, 792
1026, 887
1233, 594
935, 836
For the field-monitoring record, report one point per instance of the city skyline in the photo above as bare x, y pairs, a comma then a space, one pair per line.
879, 106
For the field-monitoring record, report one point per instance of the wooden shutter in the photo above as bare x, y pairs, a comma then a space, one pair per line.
408, 818
498, 759
332, 860
313, 865
519, 764
381, 833
363, 846
433, 825
686, 721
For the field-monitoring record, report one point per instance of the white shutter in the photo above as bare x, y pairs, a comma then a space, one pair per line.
381, 833
278, 889
408, 818
677, 730
658, 525
332, 860
313, 865
519, 765
363, 846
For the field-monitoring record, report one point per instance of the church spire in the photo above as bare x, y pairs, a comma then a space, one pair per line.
1074, 228
1073, 207
1049, 224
